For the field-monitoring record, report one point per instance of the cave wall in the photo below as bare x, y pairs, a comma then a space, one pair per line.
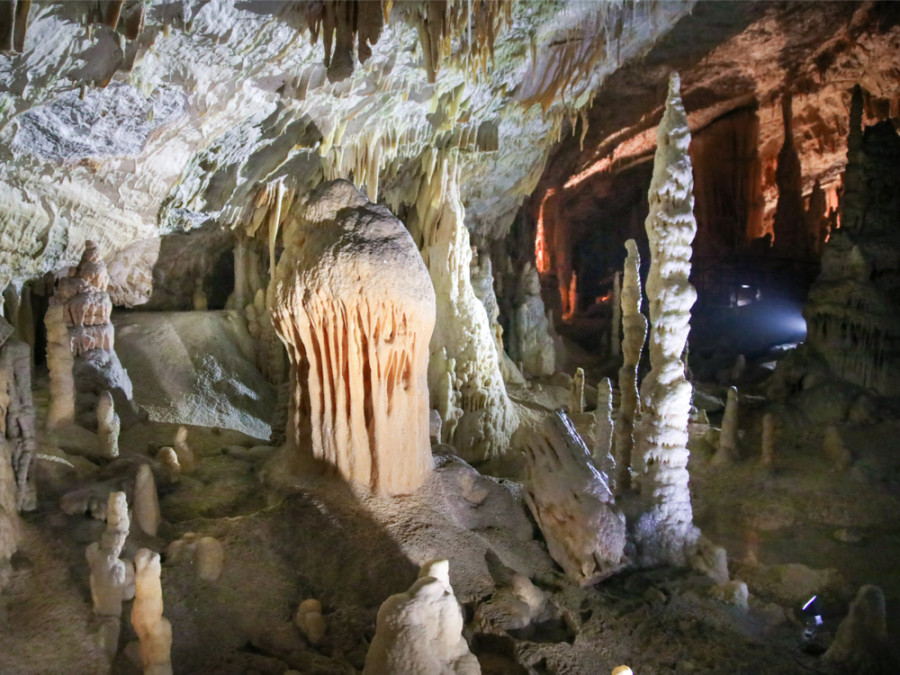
739, 63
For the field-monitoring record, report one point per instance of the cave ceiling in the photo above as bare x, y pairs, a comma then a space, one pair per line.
192, 121
734, 58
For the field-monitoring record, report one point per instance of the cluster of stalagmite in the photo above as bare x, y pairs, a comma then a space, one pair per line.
112, 579
463, 370
634, 329
571, 502
666, 532
80, 343
420, 630
530, 342
851, 312
353, 303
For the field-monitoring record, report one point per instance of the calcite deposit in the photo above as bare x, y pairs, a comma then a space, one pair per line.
668, 532
355, 307
323, 328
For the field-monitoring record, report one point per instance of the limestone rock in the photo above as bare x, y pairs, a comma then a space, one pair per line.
108, 426
310, 621
354, 304
146, 501
666, 532
204, 553
572, 503
634, 329
530, 341
728, 436
731, 593
111, 579
420, 631
861, 643
154, 631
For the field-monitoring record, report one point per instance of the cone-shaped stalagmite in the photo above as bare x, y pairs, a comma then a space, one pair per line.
634, 329
666, 532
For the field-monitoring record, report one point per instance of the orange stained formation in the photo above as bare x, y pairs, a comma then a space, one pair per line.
541, 254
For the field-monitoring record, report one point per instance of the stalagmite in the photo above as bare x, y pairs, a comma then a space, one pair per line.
186, 460
605, 428
666, 533
153, 630
309, 619
577, 395
767, 456
355, 307
108, 426
571, 502
634, 330
206, 555
835, 450
861, 644
479, 417
146, 501
17, 415
728, 437
61, 411
615, 326
85, 310
111, 579
530, 341
420, 630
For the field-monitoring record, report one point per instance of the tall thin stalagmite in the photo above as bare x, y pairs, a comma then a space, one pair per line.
634, 329
666, 533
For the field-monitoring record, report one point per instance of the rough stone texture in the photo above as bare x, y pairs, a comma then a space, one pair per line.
861, 643
728, 436
108, 426
206, 93
179, 363
355, 307
152, 628
146, 501
572, 503
111, 579
667, 532
463, 368
814, 52
851, 312
420, 631
530, 343
95, 368
634, 329
17, 414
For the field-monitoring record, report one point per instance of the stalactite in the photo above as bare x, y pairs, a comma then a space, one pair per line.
666, 531
634, 330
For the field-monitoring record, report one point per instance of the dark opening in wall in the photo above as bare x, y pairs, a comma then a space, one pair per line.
219, 283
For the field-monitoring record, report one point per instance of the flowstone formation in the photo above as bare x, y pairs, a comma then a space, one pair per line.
571, 502
851, 312
464, 369
420, 630
353, 303
666, 532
